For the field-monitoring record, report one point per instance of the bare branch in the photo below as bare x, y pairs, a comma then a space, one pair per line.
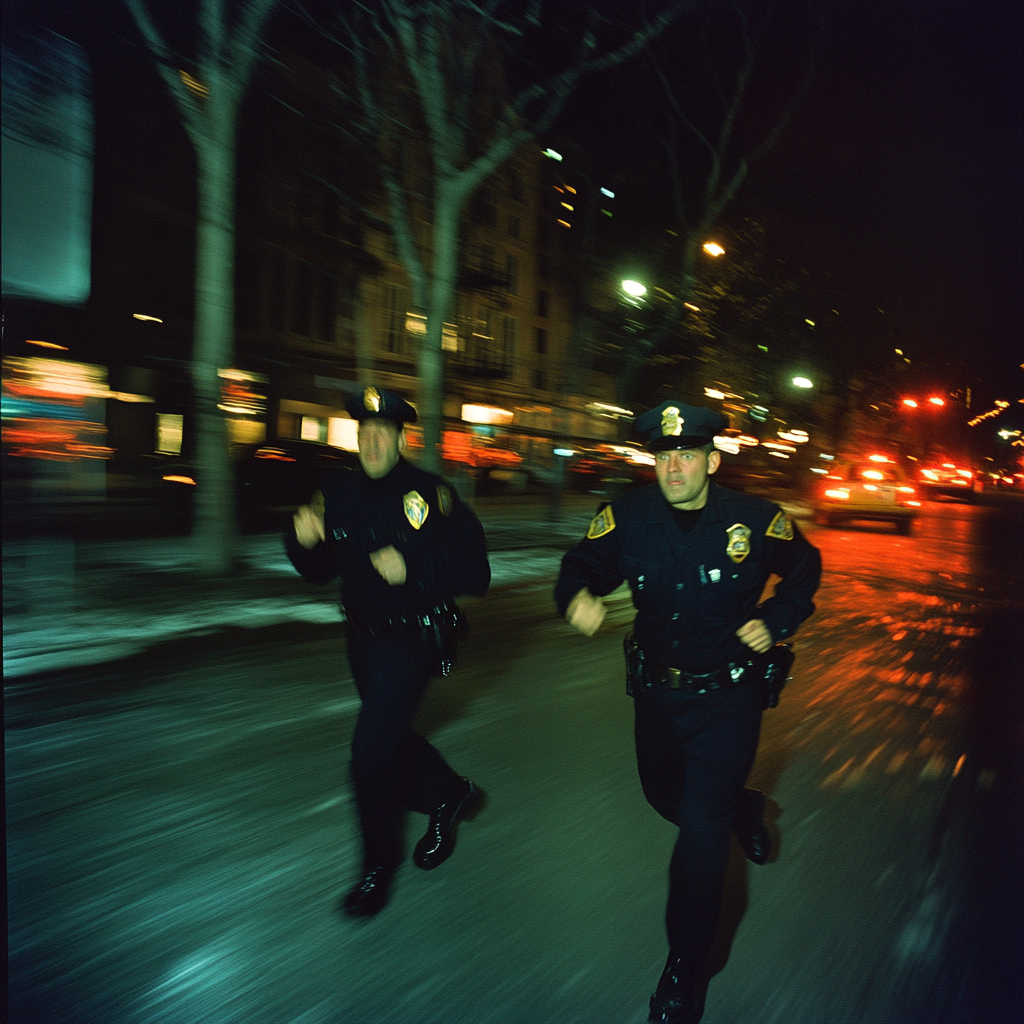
186, 101
244, 47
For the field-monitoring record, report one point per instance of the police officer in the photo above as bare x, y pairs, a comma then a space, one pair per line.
696, 557
405, 546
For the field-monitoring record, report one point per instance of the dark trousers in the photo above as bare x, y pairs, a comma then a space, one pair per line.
394, 769
694, 752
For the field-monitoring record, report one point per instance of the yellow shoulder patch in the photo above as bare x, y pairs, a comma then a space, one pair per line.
444, 500
781, 527
602, 523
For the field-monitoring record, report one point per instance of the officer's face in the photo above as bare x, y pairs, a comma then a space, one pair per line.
379, 445
683, 476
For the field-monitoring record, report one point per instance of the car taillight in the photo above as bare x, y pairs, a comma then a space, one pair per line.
835, 492
905, 490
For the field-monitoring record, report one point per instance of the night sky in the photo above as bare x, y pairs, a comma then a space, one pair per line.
910, 147
906, 153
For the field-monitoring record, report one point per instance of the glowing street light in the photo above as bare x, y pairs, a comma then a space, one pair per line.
910, 403
802, 382
634, 288
936, 401
713, 249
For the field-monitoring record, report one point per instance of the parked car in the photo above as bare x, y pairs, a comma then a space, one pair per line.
276, 478
872, 490
271, 480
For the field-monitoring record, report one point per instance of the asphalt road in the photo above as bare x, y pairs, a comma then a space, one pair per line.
180, 827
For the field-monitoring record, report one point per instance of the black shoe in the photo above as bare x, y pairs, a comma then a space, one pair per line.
439, 842
371, 894
679, 997
750, 827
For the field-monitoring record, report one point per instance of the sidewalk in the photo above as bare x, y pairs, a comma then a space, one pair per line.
68, 604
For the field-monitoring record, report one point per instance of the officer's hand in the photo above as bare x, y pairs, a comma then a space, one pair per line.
309, 526
390, 564
585, 612
756, 635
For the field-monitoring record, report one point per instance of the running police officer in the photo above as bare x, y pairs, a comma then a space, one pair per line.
405, 547
696, 557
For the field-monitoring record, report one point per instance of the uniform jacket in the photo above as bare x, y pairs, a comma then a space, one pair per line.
693, 590
437, 534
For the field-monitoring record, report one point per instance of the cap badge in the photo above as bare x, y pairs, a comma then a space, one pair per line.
371, 399
416, 509
671, 422
739, 542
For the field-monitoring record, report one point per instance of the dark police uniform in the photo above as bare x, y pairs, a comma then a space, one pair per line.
696, 577
397, 635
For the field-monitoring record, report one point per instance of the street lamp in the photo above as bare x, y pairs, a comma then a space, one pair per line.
802, 382
713, 249
634, 289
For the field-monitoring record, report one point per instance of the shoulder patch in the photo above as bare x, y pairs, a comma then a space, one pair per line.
781, 527
444, 500
602, 523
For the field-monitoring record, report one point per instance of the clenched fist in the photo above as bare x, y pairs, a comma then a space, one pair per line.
390, 564
756, 635
309, 525
585, 612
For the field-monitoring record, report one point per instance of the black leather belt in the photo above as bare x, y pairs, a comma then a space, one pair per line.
736, 673
413, 620
769, 670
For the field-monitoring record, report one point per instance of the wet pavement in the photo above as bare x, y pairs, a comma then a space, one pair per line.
180, 829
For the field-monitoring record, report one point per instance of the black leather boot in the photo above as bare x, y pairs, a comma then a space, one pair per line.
438, 843
370, 894
679, 997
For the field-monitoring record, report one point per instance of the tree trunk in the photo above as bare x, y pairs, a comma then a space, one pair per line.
439, 303
214, 524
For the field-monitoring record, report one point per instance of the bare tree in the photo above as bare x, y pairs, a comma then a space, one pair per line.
715, 121
462, 78
208, 97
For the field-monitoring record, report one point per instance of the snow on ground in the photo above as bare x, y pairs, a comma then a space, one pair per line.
48, 643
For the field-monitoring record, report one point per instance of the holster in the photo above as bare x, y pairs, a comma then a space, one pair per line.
442, 630
634, 664
776, 664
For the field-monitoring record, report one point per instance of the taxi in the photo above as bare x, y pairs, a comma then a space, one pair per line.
873, 490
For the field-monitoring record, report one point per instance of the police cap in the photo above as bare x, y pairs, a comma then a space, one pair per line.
674, 424
374, 404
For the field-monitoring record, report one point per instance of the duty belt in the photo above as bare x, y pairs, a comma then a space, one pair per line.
770, 668
736, 673
414, 620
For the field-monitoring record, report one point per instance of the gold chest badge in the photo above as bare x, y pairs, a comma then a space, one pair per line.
371, 400
739, 542
602, 523
416, 509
